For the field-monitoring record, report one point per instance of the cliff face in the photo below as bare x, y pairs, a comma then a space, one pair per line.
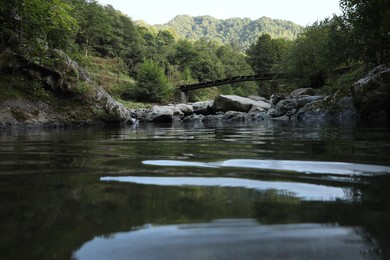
371, 95
78, 99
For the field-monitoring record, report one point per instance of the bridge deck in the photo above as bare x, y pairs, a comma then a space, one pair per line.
258, 77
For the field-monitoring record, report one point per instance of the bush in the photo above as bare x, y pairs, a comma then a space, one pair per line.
152, 83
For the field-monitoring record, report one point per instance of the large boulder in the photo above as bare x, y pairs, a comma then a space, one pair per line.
371, 95
161, 114
203, 107
226, 103
334, 109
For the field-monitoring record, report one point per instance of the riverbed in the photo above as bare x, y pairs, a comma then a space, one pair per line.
264, 190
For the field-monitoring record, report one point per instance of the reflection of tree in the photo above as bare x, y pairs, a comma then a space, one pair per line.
61, 213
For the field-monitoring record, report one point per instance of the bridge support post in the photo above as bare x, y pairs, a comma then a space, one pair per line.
181, 96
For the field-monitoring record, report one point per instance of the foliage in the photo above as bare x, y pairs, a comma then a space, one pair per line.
111, 73
32, 26
370, 21
115, 50
152, 83
266, 53
242, 32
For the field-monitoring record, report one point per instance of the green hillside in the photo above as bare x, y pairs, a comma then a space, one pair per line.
237, 31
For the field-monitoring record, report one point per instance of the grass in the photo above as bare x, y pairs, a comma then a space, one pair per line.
111, 73
133, 105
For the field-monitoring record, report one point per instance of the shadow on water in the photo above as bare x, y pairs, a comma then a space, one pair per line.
64, 194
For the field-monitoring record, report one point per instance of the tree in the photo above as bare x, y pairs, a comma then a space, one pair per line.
266, 53
206, 66
95, 25
370, 20
152, 83
42, 25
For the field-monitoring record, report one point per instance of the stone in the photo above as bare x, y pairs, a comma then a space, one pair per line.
203, 107
234, 116
185, 109
301, 92
161, 114
302, 101
258, 98
284, 106
275, 98
226, 103
371, 95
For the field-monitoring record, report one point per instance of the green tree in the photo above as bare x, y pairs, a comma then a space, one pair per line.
266, 53
95, 25
370, 20
235, 65
41, 24
310, 59
206, 66
152, 83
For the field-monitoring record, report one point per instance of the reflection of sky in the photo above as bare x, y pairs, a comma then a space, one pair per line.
302, 190
295, 166
229, 239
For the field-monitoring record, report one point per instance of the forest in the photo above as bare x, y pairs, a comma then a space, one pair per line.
241, 32
138, 62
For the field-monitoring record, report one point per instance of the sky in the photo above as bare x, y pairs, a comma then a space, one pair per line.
303, 12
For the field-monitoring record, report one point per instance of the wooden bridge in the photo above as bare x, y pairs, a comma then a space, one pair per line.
258, 77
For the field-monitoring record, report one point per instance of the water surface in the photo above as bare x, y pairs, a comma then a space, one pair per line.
274, 190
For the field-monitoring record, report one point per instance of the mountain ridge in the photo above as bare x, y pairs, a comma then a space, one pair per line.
238, 31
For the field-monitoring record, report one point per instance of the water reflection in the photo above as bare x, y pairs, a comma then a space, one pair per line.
284, 165
231, 239
300, 190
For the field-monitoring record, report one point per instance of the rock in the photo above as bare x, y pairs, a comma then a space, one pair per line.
258, 116
234, 116
256, 109
116, 110
283, 107
161, 114
62, 75
302, 101
212, 118
275, 98
339, 110
185, 109
282, 118
226, 103
371, 95
301, 92
258, 98
193, 118
203, 107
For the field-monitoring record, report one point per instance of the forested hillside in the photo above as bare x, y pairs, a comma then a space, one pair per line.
142, 63
239, 31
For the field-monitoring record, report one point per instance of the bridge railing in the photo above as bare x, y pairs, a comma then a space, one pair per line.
230, 80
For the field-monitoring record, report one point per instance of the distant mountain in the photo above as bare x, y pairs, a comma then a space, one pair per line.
239, 31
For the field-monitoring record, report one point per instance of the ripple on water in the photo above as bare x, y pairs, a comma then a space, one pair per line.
310, 167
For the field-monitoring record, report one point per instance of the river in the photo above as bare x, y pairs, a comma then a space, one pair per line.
267, 190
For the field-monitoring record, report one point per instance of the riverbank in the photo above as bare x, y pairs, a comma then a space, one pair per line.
77, 100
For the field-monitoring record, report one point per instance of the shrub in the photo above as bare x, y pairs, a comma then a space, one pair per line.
152, 83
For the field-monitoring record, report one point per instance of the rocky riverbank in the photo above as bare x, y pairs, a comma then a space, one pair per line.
366, 101
82, 102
